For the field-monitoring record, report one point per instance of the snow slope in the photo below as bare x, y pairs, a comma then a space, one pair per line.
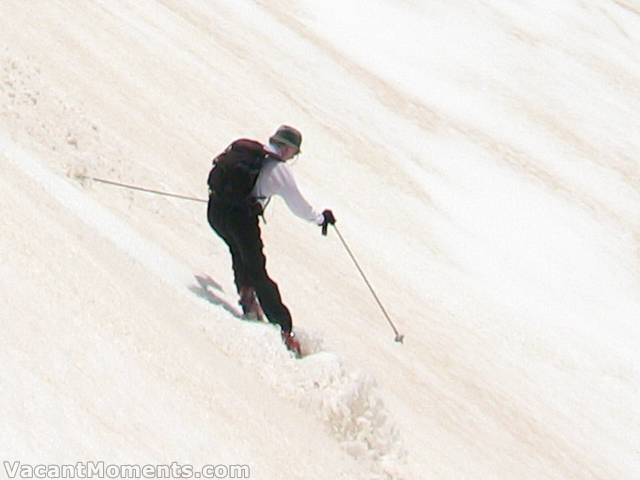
481, 159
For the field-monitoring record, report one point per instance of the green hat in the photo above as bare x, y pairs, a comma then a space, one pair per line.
288, 136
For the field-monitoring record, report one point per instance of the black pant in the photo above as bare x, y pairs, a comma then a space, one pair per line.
240, 230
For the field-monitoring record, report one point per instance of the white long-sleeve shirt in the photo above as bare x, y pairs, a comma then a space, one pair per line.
276, 179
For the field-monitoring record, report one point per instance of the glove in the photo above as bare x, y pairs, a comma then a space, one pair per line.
328, 219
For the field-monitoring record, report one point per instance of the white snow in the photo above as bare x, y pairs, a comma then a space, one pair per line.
482, 159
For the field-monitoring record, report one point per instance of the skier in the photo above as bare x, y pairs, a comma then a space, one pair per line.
241, 183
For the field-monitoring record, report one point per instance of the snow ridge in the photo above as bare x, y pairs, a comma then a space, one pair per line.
345, 399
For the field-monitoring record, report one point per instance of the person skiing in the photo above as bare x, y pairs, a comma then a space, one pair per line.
241, 183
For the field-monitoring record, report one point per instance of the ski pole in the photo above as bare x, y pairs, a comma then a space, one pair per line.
141, 189
399, 337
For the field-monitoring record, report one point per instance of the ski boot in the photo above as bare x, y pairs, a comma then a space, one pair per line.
251, 309
292, 343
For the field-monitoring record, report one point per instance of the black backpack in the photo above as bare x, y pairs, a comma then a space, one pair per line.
235, 172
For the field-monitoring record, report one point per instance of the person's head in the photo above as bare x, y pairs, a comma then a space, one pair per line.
288, 141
